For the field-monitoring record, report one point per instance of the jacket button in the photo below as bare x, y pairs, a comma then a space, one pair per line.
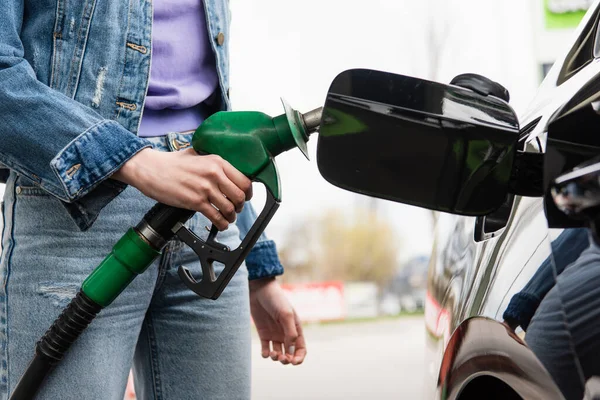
220, 38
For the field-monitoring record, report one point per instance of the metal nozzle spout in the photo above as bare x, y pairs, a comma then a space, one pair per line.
312, 120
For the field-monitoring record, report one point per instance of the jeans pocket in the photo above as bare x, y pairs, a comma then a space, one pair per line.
27, 187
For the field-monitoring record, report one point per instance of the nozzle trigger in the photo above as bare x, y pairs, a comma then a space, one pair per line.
209, 251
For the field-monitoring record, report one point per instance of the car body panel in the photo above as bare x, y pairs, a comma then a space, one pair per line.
484, 346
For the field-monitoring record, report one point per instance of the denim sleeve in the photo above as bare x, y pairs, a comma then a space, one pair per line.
565, 250
263, 260
65, 147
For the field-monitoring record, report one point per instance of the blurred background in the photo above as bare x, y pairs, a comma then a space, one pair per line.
356, 267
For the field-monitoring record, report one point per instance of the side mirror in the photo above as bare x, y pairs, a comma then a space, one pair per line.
409, 140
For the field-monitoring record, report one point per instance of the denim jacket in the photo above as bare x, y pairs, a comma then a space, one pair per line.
73, 80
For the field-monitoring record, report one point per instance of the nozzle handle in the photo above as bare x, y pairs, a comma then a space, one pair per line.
211, 286
269, 177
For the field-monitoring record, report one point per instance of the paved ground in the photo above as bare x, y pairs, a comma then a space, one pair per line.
368, 360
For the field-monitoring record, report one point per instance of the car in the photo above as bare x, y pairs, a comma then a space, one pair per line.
507, 188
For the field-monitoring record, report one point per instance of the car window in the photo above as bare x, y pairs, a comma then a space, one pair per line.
584, 50
597, 43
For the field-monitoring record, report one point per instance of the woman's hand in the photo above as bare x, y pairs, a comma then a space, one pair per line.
184, 179
276, 323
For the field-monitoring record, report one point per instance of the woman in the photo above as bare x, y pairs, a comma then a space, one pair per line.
92, 138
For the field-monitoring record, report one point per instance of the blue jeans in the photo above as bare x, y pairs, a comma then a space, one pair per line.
180, 346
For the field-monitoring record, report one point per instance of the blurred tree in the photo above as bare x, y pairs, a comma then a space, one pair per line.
298, 253
336, 246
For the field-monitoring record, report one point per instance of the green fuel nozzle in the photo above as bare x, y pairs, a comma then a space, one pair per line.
249, 141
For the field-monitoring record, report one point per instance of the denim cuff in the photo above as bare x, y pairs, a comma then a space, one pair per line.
263, 261
93, 156
521, 309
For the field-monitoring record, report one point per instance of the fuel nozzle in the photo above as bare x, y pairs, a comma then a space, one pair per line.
312, 120
302, 125
249, 141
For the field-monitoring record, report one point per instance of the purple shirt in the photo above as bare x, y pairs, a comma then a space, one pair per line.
183, 72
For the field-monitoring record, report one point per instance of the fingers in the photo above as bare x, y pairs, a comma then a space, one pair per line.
283, 358
265, 348
300, 353
240, 180
214, 216
226, 194
277, 352
232, 190
225, 207
232, 194
206, 184
288, 323
275, 339
293, 349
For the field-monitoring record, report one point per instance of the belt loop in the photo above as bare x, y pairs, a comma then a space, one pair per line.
179, 141
171, 143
